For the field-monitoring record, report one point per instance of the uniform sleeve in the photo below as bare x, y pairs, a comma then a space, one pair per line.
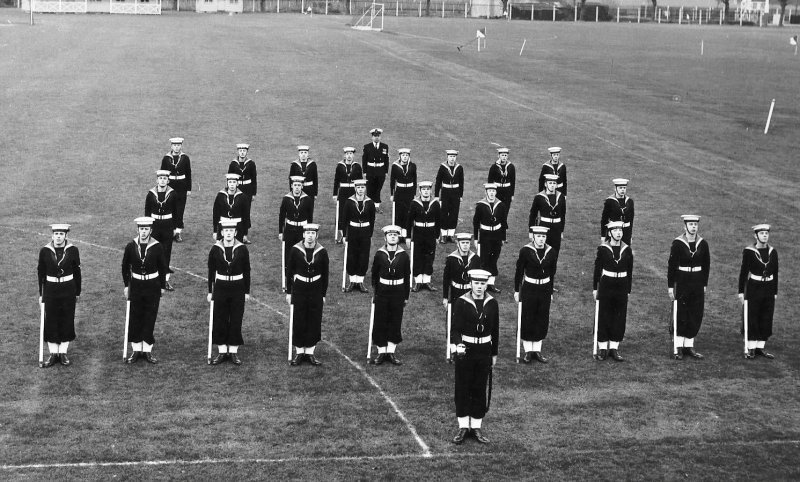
563, 200
706, 263
246, 213
163, 267
212, 270
604, 218
336, 179
215, 213
437, 215
504, 220
564, 187
311, 210
437, 185
254, 179
744, 271
520, 271
246, 268
630, 273
672, 265
375, 270
148, 205
371, 217
126, 261
632, 212
541, 178
392, 180
364, 157
598, 268
534, 213
188, 174
345, 220
232, 167
495, 313
512, 177
385, 157
460, 180
281, 216
476, 223
490, 176
407, 270
775, 275
76, 271
41, 269
325, 268
314, 174
290, 270
166, 163
456, 321
412, 216
446, 276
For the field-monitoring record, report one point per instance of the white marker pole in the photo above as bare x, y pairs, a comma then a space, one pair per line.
519, 328
371, 324
41, 334
596, 320
701, 47
210, 329
449, 326
674, 326
283, 265
344, 266
523, 45
769, 117
291, 329
745, 326
127, 322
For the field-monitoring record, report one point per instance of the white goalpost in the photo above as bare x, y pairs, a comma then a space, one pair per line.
371, 19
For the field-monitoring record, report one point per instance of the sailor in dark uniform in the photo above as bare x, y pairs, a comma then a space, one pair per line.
391, 280
180, 180
449, 189
346, 172
423, 227
359, 221
557, 168
687, 279
144, 273
159, 204
231, 204
402, 186
533, 287
306, 288
758, 290
375, 163
474, 339
618, 207
455, 280
549, 209
613, 270
296, 210
503, 174
59, 273
303, 166
490, 223
229, 288
248, 175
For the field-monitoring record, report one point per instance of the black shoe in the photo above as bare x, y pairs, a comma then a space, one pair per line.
219, 358
168, 287
313, 360
460, 436
235, 359
246, 241
690, 351
177, 238
379, 359
133, 357
614, 354
349, 287
64, 360
298, 359
758, 352
679, 354
415, 288
393, 359
601, 354
51, 360
479, 436
362, 288
429, 287
493, 289
538, 357
750, 354
150, 358
528, 357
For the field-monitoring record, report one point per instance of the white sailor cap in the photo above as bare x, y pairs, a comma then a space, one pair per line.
176, 140
349, 149
302, 148
761, 227
502, 150
232, 176
614, 225
404, 150
392, 228
554, 150
294, 179
479, 275
144, 221
162, 173
539, 229
463, 236
551, 177
620, 181
376, 131
242, 145
425, 184
311, 227
60, 227
359, 182
688, 218
227, 223
490, 185
451, 152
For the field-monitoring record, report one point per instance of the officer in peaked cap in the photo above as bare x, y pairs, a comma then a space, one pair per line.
758, 290
59, 273
180, 179
687, 279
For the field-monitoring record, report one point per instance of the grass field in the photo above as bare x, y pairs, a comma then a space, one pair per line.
90, 102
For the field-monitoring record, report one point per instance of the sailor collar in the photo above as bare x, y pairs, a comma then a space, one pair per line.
236, 244
291, 196
469, 299
399, 250
52, 247
167, 191
455, 254
622, 247
685, 241
300, 246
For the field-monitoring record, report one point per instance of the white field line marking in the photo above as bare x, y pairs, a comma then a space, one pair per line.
426, 452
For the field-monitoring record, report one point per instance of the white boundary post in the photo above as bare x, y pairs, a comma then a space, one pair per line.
769, 117
41, 334
554, 12
596, 14
575, 14
519, 328
371, 324
639, 15
746, 325
617, 14
291, 329
596, 320
210, 329
442, 8
449, 326
674, 326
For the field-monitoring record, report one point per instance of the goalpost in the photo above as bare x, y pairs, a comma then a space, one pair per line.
371, 19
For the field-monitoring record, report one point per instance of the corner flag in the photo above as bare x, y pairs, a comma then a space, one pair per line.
481, 33
793, 40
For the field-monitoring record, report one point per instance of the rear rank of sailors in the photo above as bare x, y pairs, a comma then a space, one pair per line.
159, 204
402, 187
296, 210
359, 221
347, 171
449, 189
391, 280
231, 204
423, 226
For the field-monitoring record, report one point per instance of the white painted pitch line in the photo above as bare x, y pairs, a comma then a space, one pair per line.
426, 452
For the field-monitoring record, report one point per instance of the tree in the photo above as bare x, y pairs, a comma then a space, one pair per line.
581, 10
727, 6
783, 11
428, 8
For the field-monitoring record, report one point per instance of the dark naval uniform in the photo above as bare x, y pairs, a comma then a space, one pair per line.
59, 273
758, 281
559, 170
550, 210
505, 178
248, 175
687, 274
613, 270
489, 228
359, 220
391, 280
476, 324
533, 280
343, 187
308, 170
403, 186
228, 282
144, 271
375, 164
449, 189
455, 278
423, 227
618, 209
307, 282
234, 206
180, 180
161, 207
